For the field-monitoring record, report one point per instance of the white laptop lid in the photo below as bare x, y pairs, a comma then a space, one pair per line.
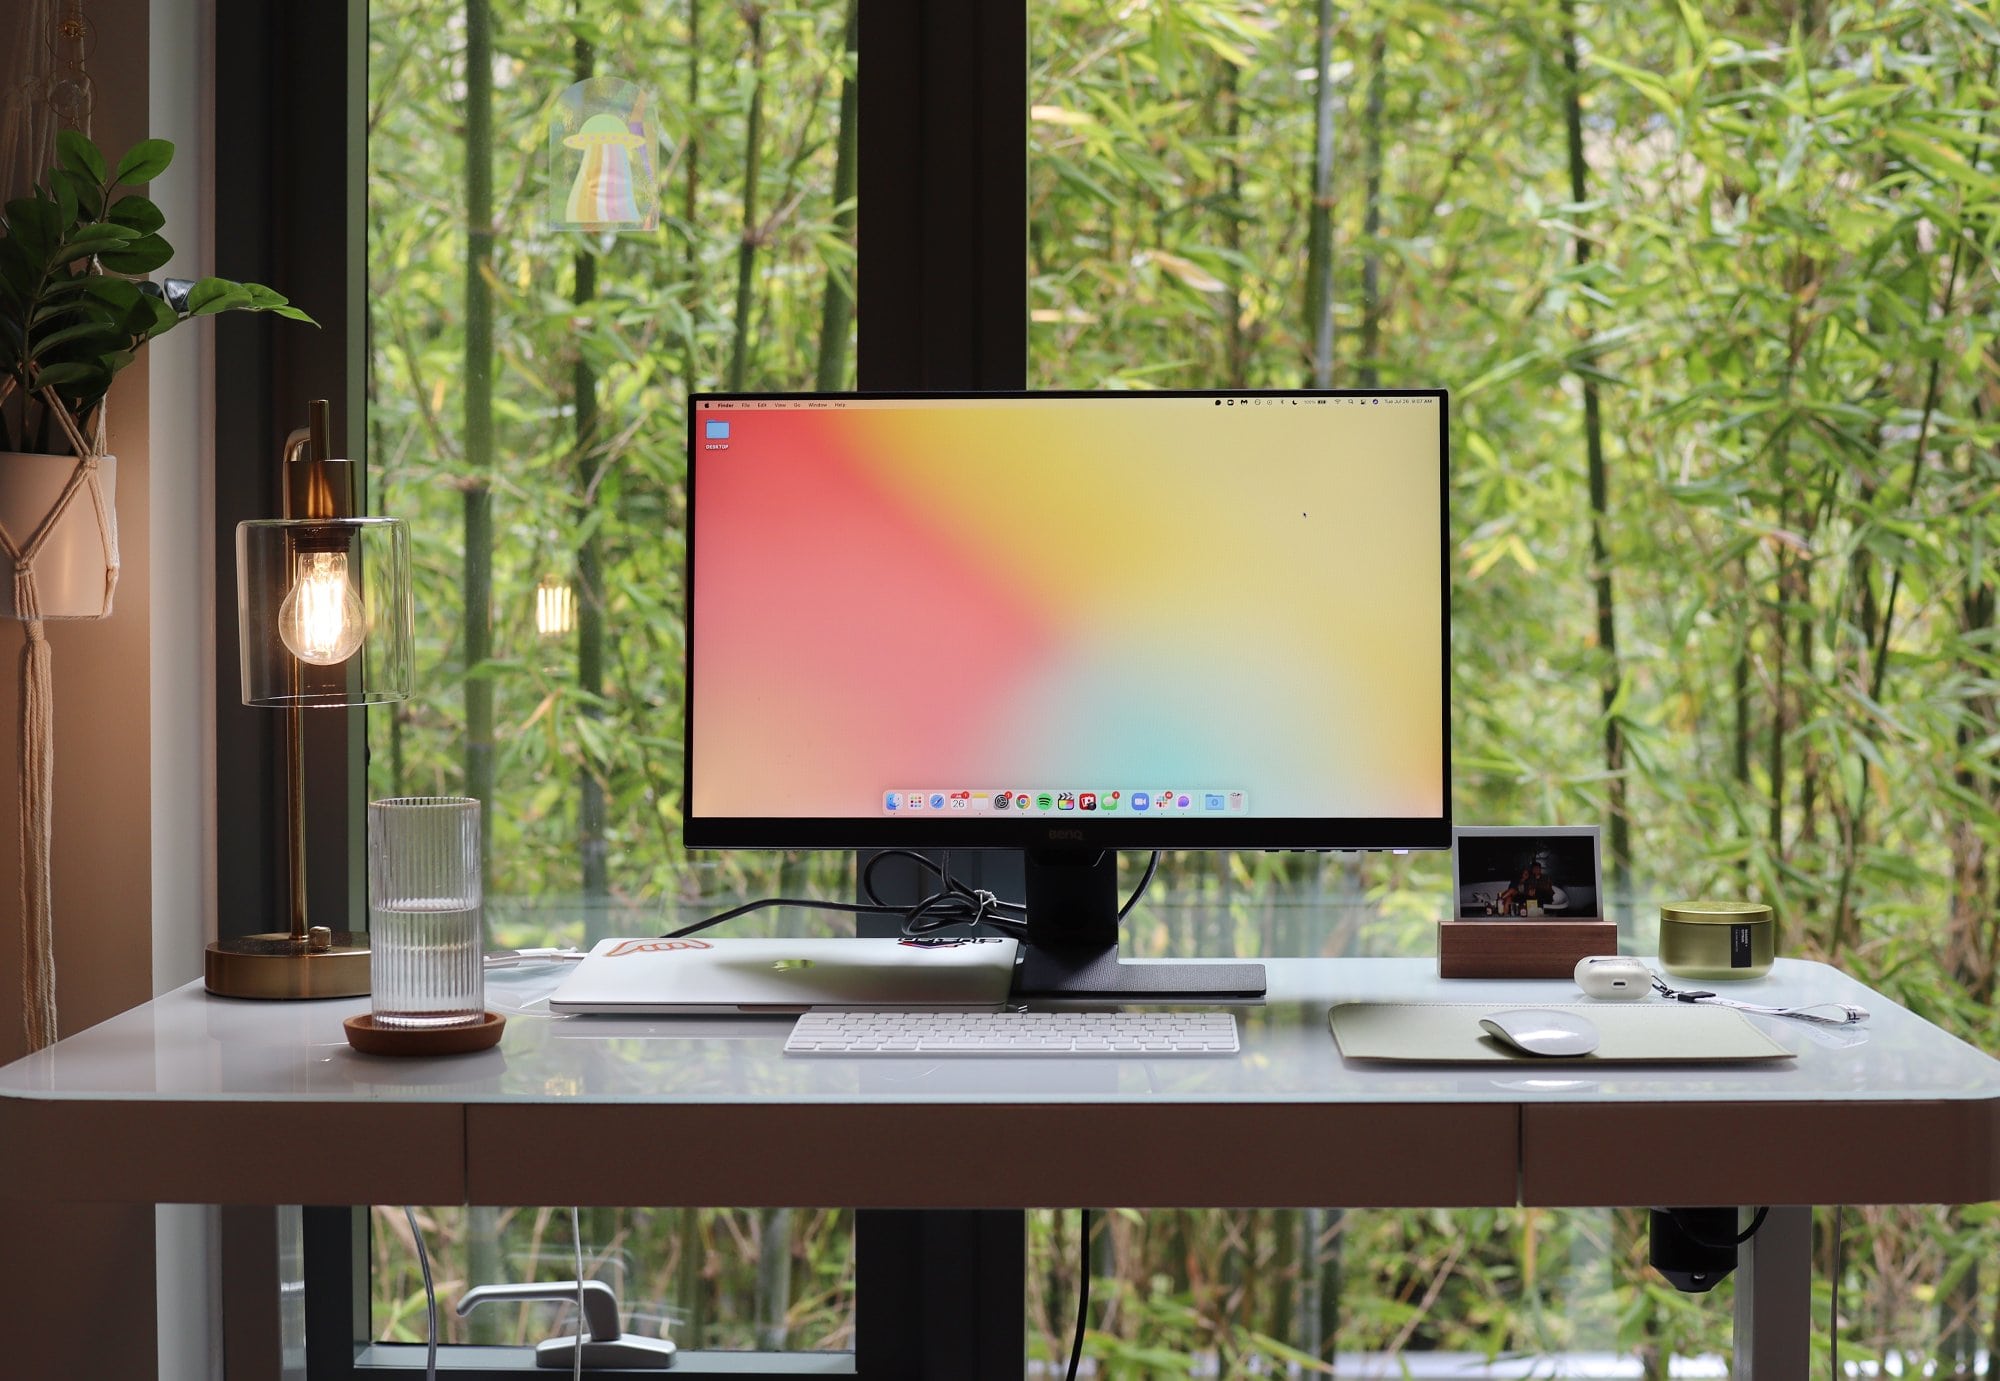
698, 975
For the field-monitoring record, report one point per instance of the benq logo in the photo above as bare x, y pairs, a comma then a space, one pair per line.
653, 947
1076, 835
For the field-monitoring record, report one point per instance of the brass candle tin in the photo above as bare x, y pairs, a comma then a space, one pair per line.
1717, 940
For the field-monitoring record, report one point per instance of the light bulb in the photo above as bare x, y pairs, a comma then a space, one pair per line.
555, 607
321, 620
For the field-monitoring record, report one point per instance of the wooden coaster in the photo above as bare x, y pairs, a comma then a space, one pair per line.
364, 1035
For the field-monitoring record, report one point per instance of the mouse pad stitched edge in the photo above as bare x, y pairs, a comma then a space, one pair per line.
1449, 1033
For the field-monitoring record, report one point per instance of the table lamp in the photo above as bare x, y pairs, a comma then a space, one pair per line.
324, 622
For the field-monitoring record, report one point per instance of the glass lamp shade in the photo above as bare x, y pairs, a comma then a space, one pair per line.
323, 611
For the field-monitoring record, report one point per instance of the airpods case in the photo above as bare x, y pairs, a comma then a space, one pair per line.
1613, 978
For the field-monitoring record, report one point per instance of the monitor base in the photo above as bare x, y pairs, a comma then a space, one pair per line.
1080, 973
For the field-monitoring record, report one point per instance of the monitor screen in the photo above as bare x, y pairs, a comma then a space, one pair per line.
1143, 620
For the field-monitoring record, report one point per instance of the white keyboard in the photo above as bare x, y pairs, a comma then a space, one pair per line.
1145, 1034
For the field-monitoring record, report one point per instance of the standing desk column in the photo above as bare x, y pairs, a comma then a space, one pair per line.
1774, 1298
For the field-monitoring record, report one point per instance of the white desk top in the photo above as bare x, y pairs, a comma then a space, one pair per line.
187, 1045
192, 1097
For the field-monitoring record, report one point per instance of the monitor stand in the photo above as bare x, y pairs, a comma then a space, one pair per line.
1071, 951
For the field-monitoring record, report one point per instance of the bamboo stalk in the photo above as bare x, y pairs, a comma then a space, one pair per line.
477, 567
1371, 211
1238, 372
1611, 678
1319, 237
836, 318
590, 842
746, 250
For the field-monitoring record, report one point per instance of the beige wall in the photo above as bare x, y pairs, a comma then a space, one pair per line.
82, 1277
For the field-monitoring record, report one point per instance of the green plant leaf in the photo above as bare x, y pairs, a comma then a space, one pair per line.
17, 271
75, 151
142, 255
212, 295
69, 372
63, 184
159, 317
136, 213
119, 293
35, 224
96, 238
89, 195
147, 160
263, 299
99, 336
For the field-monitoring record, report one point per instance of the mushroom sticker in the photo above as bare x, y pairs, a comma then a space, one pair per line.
602, 139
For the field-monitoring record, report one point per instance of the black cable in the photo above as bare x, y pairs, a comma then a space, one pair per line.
1724, 1244
1082, 1291
748, 907
953, 903
1833, 1311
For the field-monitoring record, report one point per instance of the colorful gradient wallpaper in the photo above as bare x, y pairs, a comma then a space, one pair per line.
1087, 594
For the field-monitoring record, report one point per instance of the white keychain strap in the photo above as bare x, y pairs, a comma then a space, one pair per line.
1842, 1013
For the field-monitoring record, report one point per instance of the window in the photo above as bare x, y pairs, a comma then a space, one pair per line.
525, 416
1712, 296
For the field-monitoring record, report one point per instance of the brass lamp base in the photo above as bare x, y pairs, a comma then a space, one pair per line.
277, 966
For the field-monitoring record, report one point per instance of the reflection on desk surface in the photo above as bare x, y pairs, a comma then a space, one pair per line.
186, 1044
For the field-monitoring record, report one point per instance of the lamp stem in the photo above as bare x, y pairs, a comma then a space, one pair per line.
295, 812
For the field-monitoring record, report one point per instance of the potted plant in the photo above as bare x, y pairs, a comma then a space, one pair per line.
72, 315
75, 309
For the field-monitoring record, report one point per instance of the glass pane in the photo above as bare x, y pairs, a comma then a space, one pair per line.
1698, 482
769, 1280
526, 420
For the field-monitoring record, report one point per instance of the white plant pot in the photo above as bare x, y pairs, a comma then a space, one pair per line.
70, 568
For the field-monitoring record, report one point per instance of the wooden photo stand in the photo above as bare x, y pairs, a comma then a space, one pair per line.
1483, 858
1520, 949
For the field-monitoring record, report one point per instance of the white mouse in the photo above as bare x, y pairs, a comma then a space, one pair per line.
1539, 1031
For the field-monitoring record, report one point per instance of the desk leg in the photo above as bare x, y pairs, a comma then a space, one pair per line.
1774, 1298
940, 1293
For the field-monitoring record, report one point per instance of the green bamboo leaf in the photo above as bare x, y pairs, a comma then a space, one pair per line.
77, 153
146, 161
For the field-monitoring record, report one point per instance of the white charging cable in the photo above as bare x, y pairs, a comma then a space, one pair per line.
1845, 1013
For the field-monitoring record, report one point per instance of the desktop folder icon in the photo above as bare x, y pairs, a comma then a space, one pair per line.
716, 431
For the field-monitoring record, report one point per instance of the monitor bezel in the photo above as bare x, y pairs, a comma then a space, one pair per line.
1064, 832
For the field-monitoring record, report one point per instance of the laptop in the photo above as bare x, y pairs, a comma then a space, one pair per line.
710, 977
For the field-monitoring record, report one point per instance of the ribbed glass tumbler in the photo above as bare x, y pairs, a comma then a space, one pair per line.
424, 911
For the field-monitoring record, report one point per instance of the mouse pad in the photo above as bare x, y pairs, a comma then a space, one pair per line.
1636, 1033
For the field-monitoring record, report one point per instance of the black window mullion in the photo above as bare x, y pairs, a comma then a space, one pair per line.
284, 148
942, 210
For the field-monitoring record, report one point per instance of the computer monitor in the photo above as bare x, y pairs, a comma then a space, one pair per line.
1068, 624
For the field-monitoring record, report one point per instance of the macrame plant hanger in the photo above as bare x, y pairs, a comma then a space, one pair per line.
38, 964
49, 90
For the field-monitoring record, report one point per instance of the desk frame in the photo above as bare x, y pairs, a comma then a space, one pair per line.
150, 1108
